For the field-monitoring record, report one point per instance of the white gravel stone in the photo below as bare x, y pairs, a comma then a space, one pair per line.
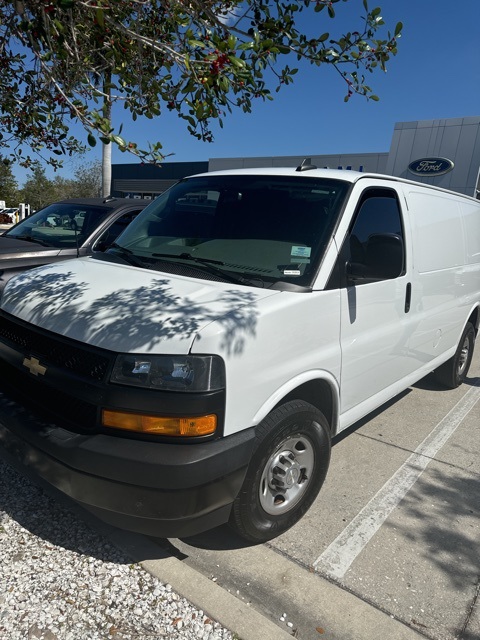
59, 580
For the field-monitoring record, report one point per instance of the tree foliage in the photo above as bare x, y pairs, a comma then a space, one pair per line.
39, 190
87, 181
8, 184
70, 60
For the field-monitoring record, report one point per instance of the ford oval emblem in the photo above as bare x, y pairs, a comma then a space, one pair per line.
430, 166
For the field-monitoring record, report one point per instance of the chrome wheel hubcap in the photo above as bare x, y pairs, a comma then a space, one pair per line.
286, 475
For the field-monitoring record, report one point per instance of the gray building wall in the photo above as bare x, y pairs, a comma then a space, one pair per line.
136, 180
457, 139
371, 162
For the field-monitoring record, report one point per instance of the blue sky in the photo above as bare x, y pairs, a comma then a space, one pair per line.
436, 74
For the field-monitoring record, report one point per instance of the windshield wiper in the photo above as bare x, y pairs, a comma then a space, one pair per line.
30, 239
129, 256
208, 263
187, 256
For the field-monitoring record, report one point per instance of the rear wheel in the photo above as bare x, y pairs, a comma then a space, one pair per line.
452, 373
285, 474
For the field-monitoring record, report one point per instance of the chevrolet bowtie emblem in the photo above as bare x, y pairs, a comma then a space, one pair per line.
34, 366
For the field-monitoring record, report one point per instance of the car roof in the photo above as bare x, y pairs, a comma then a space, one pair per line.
110, 202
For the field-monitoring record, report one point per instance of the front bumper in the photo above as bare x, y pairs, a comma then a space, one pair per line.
158, 489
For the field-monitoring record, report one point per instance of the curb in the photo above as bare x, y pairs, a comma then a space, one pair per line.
321, 608
238, 617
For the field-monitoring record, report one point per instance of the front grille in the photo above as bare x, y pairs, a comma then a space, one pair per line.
60, 352
84, 367
49, 403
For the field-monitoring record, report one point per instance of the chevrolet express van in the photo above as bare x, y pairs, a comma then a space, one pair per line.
196, 372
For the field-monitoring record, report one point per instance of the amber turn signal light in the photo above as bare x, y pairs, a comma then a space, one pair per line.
157, 425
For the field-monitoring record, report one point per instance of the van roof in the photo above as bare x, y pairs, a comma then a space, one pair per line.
339, 174
347, 175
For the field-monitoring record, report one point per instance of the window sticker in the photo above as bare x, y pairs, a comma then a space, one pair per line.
290, 269
301, 252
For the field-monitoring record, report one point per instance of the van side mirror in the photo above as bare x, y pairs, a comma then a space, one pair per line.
384, 260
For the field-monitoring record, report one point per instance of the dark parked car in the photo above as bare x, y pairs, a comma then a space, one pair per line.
63, 230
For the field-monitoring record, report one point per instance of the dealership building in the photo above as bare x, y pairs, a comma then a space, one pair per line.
444, 153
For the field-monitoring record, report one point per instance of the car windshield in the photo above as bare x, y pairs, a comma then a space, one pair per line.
262, 229
60, 225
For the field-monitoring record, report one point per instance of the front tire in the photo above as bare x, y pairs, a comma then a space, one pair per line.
452, 373
285, 473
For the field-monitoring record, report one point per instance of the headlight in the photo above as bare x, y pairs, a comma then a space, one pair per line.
170, 373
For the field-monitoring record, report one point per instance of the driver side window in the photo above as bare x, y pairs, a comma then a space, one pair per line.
109, 236
378, 214
376, 232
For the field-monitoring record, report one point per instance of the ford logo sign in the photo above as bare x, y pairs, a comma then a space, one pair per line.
430, 166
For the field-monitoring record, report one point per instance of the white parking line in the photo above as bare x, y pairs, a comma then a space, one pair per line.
339, 555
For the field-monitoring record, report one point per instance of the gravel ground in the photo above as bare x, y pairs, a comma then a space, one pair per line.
59, 580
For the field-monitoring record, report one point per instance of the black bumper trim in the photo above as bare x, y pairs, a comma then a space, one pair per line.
153, 488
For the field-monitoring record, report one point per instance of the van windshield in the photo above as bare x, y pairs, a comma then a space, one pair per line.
253, 229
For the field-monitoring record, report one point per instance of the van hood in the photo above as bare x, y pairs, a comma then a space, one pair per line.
128, 309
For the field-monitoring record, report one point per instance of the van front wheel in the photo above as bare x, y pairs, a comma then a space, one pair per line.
285, 474
452, 373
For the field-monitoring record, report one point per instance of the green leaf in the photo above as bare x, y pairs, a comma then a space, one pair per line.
120, 141
398, 28
197, 43
237, 62
374, 98
100, 17
92, 141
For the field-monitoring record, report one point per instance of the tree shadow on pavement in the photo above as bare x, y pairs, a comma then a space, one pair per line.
442, 518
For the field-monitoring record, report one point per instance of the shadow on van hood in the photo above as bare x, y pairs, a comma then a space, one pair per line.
127, 309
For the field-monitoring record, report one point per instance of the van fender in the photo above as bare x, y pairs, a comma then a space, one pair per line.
474, 318
289, 387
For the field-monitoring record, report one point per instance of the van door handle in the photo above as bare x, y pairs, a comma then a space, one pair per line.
408, 297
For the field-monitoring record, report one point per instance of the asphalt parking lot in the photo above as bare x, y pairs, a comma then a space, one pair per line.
389, 550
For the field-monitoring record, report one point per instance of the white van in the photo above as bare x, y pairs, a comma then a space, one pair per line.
196, 372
